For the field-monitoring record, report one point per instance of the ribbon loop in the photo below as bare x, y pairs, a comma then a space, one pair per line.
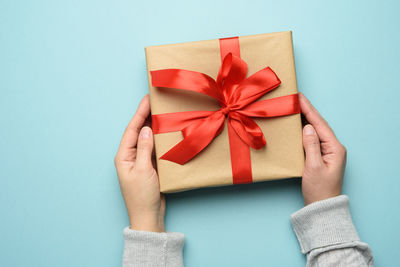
255, 87
233, 71
247, 130
187, 80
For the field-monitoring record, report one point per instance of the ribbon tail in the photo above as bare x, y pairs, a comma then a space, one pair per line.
195, 141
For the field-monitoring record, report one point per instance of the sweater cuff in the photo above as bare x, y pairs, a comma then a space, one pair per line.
324, 223
158, 247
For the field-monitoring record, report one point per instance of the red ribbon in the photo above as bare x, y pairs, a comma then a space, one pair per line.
236, 94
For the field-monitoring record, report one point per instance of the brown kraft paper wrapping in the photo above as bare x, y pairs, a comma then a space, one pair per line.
281, 158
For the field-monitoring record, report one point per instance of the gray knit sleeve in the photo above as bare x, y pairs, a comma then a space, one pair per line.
327, 235
150, 249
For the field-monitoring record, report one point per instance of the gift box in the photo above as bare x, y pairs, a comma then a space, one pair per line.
225, 111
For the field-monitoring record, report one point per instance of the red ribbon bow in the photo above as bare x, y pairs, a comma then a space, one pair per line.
236, 95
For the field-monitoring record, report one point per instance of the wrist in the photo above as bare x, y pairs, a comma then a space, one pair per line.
147, 223
310, 200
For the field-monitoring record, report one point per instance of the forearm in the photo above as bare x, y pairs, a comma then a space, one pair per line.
327, 235
150, 249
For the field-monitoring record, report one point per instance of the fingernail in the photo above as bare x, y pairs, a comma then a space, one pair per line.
145, 132
309, 130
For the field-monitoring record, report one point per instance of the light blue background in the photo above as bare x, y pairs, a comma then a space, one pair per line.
72, 73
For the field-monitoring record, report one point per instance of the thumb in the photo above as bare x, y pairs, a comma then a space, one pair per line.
144, 148
312, 146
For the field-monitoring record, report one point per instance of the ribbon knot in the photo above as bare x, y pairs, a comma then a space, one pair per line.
225, 110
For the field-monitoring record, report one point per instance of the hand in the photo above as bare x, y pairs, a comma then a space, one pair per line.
325, 157
137, 177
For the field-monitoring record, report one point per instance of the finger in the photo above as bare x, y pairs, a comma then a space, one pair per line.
320, 125
312, 146
145, 148
130, 136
